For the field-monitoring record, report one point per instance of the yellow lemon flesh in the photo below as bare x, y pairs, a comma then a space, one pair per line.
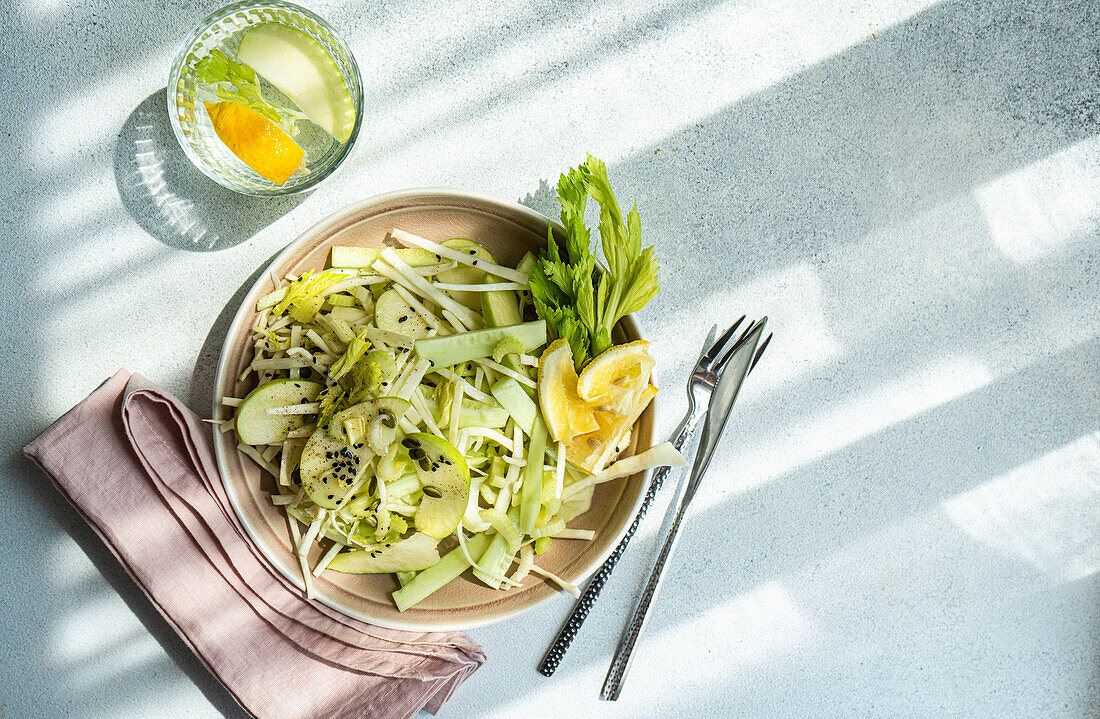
593, 414
566, 414
592, 451
614, 381
258, 142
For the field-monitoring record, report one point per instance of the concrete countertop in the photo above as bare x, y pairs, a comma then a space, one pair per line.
905, 518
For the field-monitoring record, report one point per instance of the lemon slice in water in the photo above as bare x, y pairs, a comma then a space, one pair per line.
258, 142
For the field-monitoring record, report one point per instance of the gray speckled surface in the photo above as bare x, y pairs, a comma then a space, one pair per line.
906, 519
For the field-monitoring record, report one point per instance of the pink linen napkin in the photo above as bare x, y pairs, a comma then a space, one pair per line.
139, 467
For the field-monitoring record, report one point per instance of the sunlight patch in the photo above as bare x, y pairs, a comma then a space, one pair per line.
794, 301
715, 644
1045, 512
1033, 211
834, 428
647, 85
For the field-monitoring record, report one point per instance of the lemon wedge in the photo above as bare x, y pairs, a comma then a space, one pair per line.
592, 451
615, 380
593, 414
566, 414
258, 142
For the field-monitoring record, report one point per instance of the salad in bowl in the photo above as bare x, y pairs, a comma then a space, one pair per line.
424, 410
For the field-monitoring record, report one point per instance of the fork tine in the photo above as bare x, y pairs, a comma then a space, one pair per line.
760, 351
717, 346
758, 324
708, 341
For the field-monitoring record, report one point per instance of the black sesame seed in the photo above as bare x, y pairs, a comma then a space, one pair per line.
402, 318
475, 263
473, 252
331, 496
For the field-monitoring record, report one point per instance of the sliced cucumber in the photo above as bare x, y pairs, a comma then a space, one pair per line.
513, 398
328, 468
300, 66
527, 264
373, 422
474, 414
408, 555
495, 559
393, 314
354, 256
452, 349
256, 426
467, 275
446, 569
531, 490
500, 308
445, 477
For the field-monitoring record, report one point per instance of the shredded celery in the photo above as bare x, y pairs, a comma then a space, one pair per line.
521, 493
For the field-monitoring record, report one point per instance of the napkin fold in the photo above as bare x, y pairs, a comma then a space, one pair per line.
139, 466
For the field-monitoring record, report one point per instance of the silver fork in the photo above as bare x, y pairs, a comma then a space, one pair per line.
740, 358
703, 378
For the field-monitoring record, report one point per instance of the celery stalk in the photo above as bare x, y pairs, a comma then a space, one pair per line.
497, 558
452, 564
531, 492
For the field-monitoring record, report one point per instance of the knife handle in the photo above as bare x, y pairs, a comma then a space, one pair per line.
621, 663
591, 593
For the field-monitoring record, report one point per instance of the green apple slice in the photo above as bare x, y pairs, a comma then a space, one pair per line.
408, 555
328, 469
394, 314
256, 426
300, 66
443, 472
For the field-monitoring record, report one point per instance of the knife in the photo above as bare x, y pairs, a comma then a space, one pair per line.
721, 402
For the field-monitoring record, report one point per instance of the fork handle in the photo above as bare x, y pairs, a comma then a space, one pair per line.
613, 683
591, 593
